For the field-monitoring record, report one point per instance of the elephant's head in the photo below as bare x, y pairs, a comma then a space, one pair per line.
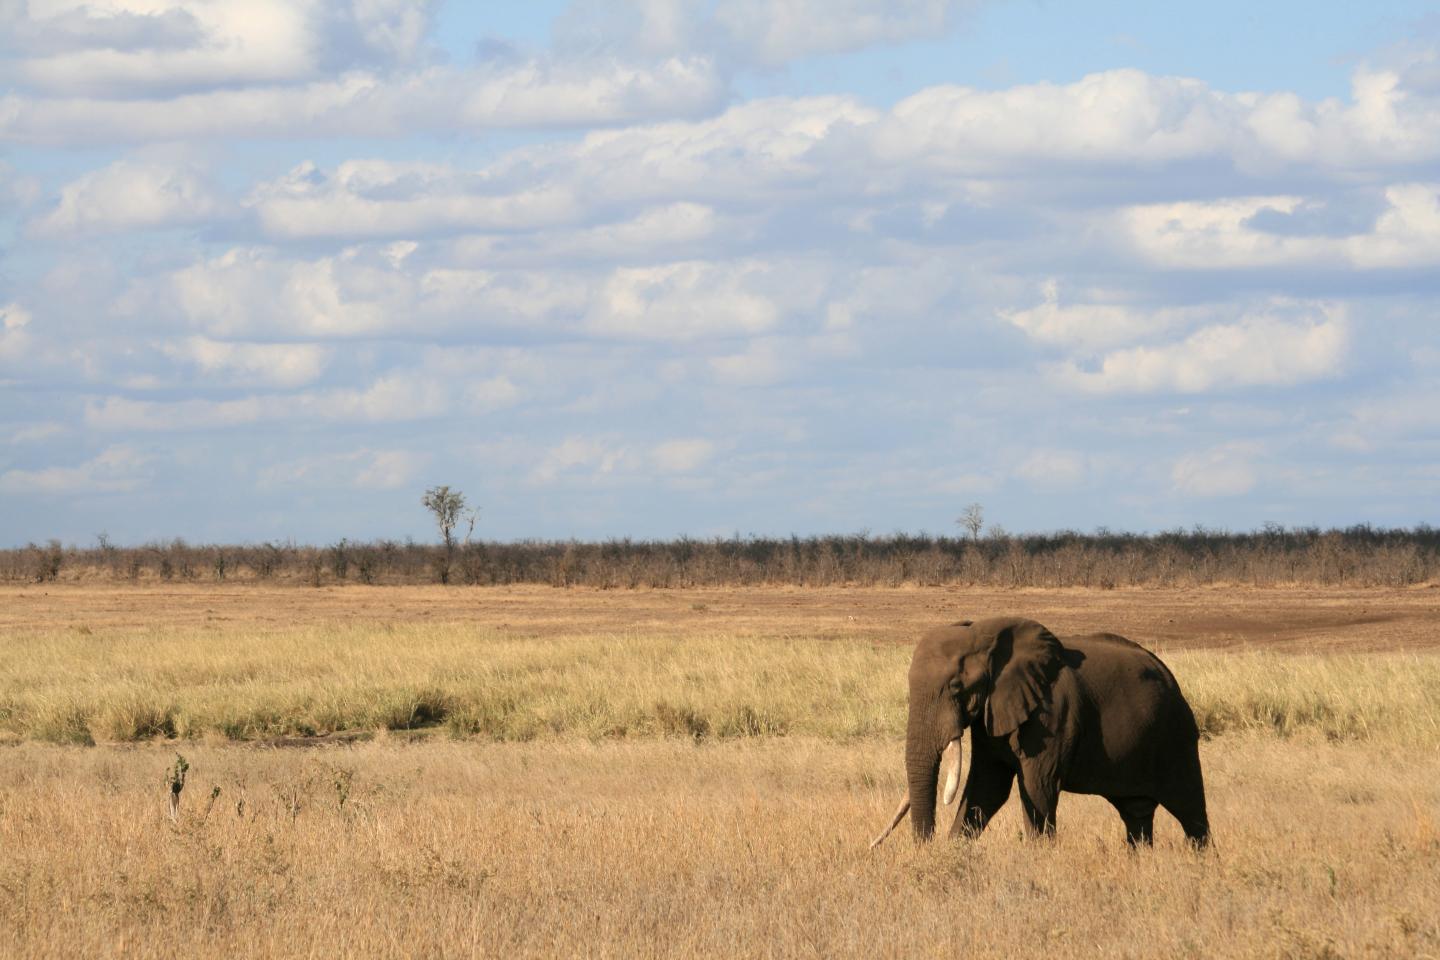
997, 671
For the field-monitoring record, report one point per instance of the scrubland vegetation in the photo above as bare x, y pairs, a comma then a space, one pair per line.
1356, 556
531, 772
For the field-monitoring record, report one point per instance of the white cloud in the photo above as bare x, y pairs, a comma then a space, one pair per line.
750, 153
1050, 469
15, 338
365, 291
381, 198
249, 290
775, 31
657, 232
1224, 234
1130, 117
16, 190
762, 362
431, 100
116, 48
389, 399
581, 456
757, 32
1257, 351
365, 469
1407, 234
1090, 326
131, 195
117, 469
360, 292
1223, 471
1373, 422
489, 395
277, 364
686, 301
36, 432
682, 456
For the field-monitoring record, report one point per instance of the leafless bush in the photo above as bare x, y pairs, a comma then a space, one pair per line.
1355, 556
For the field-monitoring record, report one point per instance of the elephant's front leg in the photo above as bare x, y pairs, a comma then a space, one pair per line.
986, 790
1039, 796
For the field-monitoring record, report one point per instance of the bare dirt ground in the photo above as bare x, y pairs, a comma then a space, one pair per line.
1300, 619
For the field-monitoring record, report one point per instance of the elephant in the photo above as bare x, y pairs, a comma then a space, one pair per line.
1095, 714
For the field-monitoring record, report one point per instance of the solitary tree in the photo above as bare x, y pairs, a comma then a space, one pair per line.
446, 505
972, 520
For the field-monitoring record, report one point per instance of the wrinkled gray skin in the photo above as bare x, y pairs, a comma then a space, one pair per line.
1093, 714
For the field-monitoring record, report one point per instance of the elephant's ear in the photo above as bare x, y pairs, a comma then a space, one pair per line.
1023, 663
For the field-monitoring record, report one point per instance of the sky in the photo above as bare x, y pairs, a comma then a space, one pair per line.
270, 269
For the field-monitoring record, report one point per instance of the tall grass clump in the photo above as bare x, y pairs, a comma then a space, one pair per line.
1394, 696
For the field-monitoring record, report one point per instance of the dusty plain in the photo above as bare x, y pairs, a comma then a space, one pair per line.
700, 777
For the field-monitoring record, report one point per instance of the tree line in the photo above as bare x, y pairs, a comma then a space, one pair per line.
1360, 555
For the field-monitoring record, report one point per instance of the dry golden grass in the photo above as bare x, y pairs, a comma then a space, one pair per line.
696, 782
666, 848
122, 684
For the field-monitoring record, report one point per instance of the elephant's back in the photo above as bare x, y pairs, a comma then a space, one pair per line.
1109, 657
1133, 702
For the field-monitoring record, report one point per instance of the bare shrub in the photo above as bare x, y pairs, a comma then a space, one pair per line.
1274, 556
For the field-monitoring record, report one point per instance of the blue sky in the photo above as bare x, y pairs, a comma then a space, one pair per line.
271, 269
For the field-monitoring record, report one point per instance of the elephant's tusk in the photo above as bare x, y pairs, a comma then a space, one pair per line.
952, 779
900, 812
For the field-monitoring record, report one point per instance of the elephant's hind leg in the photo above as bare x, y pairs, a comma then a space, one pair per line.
1190, 811
1139, 816
1184, 799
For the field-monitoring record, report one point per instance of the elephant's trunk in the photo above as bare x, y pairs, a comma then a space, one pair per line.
922, 770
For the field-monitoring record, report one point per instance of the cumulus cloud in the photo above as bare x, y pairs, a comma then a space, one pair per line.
773, 32
249, 290
254, 293
685, 301
581, 456
389, 399
381, 198
1051, 469
1410, 413
766, 33
656, 232
1257, 351
133, 195
1130, 117
447, 100
114, 48
763, 361
16, 190
491, 394
14, 337
37, 432
682, 456
365, 469
275, 364
1223, 471
1090, 326
1238, 233
116, 469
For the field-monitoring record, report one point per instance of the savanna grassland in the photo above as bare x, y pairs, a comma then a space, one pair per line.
525, 771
